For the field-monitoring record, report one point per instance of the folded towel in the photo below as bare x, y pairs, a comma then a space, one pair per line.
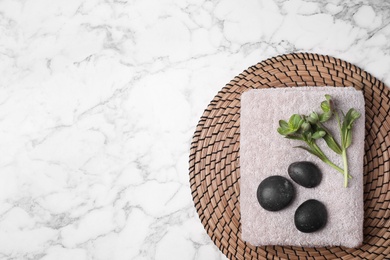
264, 152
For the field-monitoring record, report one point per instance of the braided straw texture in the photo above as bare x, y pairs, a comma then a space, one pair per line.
215, 168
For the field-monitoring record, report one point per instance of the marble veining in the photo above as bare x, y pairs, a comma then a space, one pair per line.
99, 100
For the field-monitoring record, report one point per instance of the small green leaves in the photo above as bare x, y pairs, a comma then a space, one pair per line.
325, 117
313, 118
284, 131
318, 135
283, 124
332, 144
348, 139
354, 114
305, 126
294, 137
325, 106
295, 122
346, 128
284, 128
310, 129
350, 118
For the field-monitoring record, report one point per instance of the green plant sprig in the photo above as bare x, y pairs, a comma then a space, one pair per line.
310, 128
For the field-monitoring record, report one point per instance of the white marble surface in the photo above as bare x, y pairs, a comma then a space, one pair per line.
99, 101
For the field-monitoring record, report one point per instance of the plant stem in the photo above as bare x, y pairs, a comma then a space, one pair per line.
325, 159
334, 166
345, 162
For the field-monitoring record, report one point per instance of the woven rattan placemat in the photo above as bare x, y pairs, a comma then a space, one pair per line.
215, 168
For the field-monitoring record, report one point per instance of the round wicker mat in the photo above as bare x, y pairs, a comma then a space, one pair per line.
214, 157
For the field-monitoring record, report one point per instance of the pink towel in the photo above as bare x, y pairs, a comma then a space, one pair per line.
264, 152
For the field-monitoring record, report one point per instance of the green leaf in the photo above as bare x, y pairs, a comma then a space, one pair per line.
305, 126
284, 131
313, 118
355, 114
332, 144
294, 137
348, 139
325, 116
307, 136
347, 119
346, 128
350, 118
295, 122
319, 134
283, 124
325, 106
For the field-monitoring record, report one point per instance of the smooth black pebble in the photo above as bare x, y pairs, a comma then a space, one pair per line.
305, 173
310, 216
275, 193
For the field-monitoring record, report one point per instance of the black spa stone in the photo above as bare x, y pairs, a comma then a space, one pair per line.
275, 193
310, 216
306, 174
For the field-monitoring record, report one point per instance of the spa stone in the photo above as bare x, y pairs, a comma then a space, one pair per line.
275, 193
310, 216
306, 174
